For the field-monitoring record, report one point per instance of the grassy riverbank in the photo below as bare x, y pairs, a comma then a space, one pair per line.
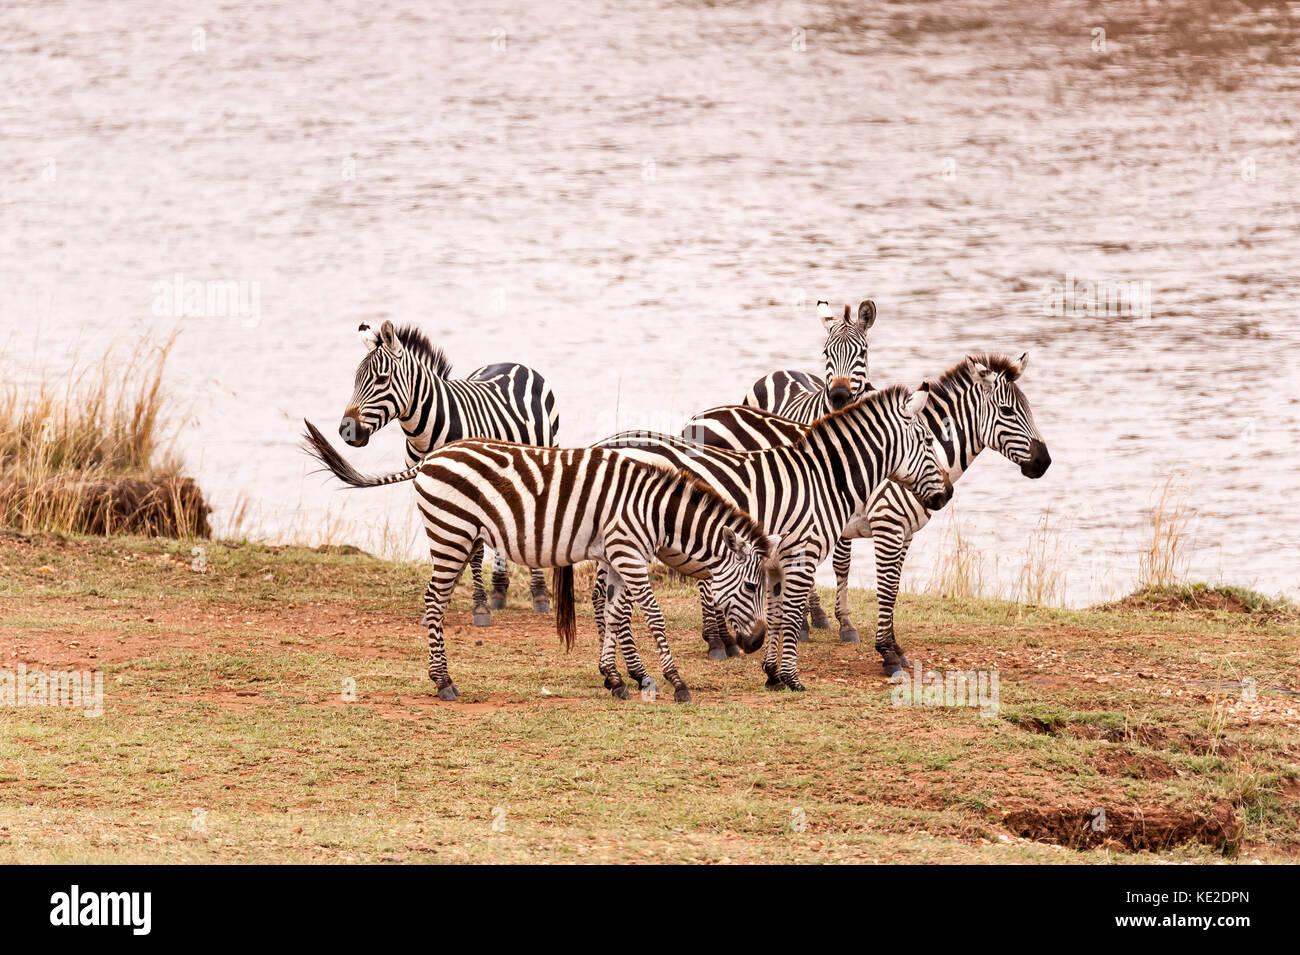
225, 734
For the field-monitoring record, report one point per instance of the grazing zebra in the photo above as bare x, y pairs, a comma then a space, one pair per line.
404, 376
974, 405
551, 507
807, 491
801, 394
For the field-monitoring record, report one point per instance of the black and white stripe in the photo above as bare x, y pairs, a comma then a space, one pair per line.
549, 507
404, 377
800, 395
976, 404
806, 492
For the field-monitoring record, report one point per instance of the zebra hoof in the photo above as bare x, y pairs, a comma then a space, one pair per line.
449, 693
804, 636
822, 623
891, 669
733, 650
902, 660
541, 605
497, 602
849, 636
717, 653
681, 695
482, 618
773, 684
619, 691
792, 683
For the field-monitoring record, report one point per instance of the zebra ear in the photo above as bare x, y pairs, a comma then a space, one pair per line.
916, 403
980, 372
731, 540
825, 314
368, 336
866, 313
388, 335
1022, 363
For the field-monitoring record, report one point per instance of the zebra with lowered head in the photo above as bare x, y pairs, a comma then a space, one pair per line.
550, 507
804, 397
404, 377
805, 492
975, 404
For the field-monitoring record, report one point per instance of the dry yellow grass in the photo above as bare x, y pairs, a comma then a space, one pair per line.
96, 454
1164, 561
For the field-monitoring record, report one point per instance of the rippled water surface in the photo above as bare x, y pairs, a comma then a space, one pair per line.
643, 200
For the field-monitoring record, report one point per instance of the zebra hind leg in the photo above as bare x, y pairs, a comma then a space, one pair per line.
482, 616
609, 587
816, 615
890, 554
537, 589
500, 583
437, 595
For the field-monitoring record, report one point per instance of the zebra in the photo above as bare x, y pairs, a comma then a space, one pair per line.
552, 507
404, 376
801, 394
806, 492
975, 404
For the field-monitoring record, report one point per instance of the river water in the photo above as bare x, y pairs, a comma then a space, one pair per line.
643, 200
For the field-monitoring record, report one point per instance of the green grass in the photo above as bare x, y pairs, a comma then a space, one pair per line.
223, 695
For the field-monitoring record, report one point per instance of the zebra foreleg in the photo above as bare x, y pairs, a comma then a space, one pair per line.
794, 598
482, 617
620, 619
637, 579
721, 643
891, 551
843, 561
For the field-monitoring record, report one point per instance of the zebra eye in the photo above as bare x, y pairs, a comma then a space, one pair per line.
750, 586
1007, 410
381, 380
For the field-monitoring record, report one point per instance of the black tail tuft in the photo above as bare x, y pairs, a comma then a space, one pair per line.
566, 619
320, 449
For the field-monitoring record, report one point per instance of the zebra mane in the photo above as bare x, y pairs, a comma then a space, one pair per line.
879, 396
1003, 364
418, 342
752, 528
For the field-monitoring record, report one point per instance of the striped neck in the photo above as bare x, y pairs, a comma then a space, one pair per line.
950, 414
855, 449
430, 418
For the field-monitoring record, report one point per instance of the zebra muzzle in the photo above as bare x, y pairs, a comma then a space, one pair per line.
353, 431
841, 393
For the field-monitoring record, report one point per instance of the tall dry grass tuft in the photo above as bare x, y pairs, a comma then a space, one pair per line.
1042, 577
97, 456
958, 569
1165, 560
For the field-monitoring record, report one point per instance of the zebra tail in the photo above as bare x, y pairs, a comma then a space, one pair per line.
566, 619
320, 449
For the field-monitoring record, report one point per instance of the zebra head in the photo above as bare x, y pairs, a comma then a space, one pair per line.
379, 394
739, 581
920, 468
1005, 422
846, 352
